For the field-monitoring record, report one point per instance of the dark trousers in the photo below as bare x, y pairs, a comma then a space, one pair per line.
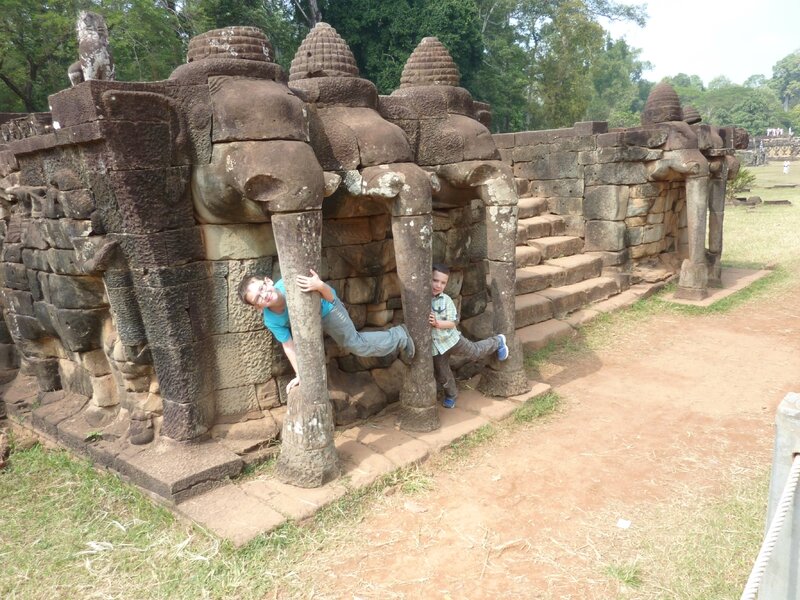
464, 349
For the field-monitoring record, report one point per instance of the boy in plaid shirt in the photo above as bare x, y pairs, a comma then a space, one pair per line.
448, 341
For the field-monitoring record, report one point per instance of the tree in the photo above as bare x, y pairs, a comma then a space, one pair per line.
563, 85
503, 75
794, 118
520, 78
719, 82
786, 79
382, 35
309, 9
744, 180
37, 44
147, 41
616, 78
755, 81
724, 103
755, 111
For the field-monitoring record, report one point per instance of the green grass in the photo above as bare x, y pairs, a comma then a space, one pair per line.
68, 531
465, 445
536, 408
628, 574
770, 175
265, 468
612, 328
693, 547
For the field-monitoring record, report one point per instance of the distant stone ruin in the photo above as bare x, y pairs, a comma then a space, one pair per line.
132, 211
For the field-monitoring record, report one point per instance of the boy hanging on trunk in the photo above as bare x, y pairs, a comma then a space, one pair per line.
269, 297
448, 341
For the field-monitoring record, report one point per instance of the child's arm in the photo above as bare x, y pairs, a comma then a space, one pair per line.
437, 324
315, 284
448, 311
291, 354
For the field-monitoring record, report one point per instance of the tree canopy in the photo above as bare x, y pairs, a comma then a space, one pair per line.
786, 79
539, 63
757, 105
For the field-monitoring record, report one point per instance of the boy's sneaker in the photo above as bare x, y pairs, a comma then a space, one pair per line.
449, 402
502, 350
408, 350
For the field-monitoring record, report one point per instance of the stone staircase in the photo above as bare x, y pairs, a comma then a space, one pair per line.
554, 278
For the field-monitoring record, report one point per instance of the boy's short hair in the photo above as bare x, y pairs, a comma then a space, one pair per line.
243, 285
443, 269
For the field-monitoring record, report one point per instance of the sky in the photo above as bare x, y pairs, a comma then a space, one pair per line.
709, 38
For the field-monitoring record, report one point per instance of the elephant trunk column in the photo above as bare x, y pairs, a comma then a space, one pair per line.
495, 185
412, 244
410, 189
693, 282
308, 455
716, 214
499, 195
412, 228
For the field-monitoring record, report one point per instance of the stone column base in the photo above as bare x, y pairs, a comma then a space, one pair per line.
420, 420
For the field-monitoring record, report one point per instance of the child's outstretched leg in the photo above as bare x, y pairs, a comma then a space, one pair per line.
444, 376
502, 349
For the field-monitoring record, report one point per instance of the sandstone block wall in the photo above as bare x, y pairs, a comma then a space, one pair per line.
598, 181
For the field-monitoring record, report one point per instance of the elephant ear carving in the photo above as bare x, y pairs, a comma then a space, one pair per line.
139, 106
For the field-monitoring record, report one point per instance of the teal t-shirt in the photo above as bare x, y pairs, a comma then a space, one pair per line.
279, 324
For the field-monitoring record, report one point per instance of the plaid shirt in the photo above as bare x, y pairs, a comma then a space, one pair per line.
444, 310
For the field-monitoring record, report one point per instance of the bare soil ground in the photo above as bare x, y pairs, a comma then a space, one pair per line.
680, 404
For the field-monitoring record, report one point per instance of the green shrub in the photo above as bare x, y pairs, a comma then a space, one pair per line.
744, 180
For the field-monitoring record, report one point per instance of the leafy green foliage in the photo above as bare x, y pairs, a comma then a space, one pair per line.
753, 107
563, 83
544, 62
37, 44
382, 35
148, 39
744, 180
786, 79
147, 42
619, 93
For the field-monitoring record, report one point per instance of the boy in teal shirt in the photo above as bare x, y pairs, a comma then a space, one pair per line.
270, 298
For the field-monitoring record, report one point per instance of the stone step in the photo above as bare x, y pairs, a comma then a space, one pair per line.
600, 288
539, 277
578, 267
539, 227
558, 245
568, 298
533, 227
531, 206
532, 308
527, 256
535, 337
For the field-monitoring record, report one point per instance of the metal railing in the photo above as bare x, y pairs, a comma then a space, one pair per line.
775, 572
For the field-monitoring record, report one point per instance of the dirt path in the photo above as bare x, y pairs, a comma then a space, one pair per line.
681, 402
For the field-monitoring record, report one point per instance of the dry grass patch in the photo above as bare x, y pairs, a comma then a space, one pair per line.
697, 546
700, 544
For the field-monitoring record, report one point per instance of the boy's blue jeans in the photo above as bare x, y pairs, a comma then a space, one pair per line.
464, 348
339, 326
